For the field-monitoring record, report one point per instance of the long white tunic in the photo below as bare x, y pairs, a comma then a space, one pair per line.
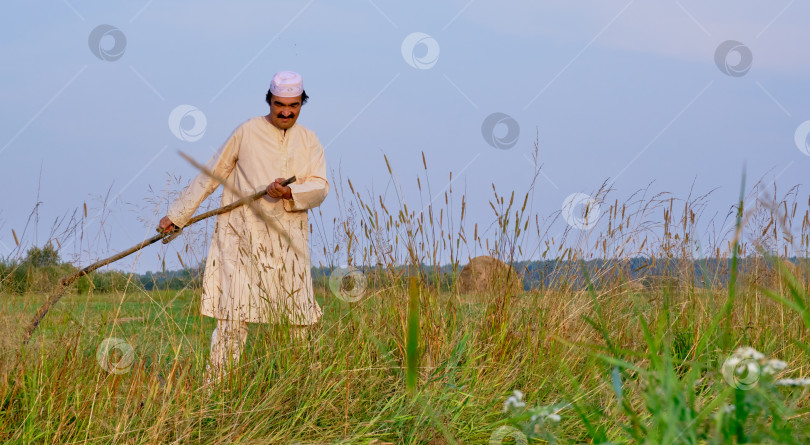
253, 273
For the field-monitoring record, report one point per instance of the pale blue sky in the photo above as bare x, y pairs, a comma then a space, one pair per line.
627, 90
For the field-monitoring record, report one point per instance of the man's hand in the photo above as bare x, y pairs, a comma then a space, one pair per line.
276, 190
166, 225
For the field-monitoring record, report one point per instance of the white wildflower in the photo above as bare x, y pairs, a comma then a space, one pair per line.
749, 352
742, 370
774, 366
515, 401
740, 366
732, 362
544, 416
793, 382
750, 368
729, 408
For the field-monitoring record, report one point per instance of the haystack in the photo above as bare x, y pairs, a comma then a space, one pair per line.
485, 274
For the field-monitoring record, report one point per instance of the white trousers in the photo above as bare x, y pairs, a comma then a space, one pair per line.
227, 343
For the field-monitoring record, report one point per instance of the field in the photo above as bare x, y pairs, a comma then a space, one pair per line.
592, 354
348, 384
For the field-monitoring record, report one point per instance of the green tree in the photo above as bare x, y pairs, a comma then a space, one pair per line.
47, 255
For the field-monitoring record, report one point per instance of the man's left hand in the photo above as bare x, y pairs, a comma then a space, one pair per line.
276, 190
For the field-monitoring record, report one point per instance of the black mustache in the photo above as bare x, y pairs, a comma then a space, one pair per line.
280, 116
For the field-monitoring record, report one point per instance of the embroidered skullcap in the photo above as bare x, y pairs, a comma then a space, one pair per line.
287, 84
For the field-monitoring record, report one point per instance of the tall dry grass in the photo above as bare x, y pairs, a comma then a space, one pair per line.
618, 358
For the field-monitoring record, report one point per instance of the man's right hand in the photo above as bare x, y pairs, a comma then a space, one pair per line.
166, 225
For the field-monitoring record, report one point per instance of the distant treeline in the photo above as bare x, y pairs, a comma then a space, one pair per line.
599, 273
645, 271
41, 269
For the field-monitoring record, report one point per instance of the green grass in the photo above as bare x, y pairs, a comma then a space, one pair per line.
350, 384
414, 362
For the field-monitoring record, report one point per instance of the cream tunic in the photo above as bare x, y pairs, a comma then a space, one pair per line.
252, 272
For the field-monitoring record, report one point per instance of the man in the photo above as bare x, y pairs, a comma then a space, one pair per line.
258, 272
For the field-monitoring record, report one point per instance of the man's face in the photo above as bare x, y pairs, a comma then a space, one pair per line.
284, 111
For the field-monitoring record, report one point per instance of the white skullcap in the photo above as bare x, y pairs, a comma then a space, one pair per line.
287, 84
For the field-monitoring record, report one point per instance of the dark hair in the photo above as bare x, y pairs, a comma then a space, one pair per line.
269, 97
